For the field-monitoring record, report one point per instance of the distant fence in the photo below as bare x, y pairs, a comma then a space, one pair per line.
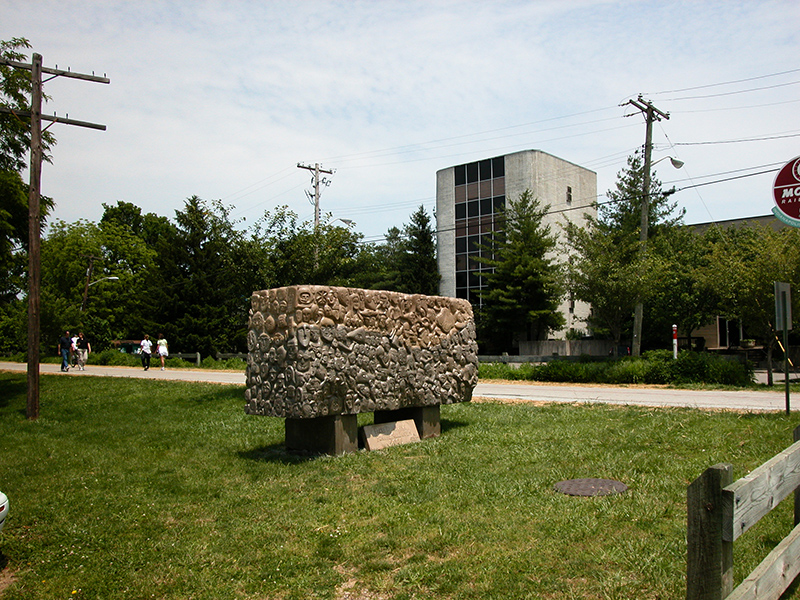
190, 356
195, 356
720, 511
571, 348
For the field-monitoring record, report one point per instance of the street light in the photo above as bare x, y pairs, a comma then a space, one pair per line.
88, 285
347, 222
675, 162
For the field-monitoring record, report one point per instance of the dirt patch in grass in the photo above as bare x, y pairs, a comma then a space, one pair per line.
6, 576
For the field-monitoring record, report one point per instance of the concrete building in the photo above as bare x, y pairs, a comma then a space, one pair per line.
469, 197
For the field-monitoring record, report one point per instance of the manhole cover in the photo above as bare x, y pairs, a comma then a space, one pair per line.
590, 487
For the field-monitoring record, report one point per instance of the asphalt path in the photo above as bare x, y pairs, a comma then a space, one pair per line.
744, 400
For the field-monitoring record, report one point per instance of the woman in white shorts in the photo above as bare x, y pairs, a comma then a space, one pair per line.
163, 350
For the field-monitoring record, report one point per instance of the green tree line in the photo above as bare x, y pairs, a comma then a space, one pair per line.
191, 277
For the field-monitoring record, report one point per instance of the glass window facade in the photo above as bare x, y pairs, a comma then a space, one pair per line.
479, 202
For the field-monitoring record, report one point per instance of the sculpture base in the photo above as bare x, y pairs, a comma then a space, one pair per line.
334, 435
338, 434
426, 418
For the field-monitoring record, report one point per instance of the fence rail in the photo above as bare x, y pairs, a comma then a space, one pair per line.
195, 356
719, 511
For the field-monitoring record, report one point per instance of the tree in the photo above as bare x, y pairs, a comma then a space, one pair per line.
524, 283
419, 271
114, 309
743, 265
15, 89
405, 261
607, 267
680, 295
606, 271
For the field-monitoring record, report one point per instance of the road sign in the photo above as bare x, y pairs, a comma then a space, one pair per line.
786, 193
783, 306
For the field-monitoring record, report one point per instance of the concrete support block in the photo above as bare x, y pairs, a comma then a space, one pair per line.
426, 418
336, 434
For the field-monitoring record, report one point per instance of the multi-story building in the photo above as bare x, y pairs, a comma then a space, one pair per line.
469, 198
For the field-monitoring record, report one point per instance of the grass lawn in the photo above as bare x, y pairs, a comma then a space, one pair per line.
129, 488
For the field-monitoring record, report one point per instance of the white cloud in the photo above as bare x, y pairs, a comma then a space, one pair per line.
222, 100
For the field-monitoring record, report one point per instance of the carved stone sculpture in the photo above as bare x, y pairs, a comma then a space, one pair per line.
319, 351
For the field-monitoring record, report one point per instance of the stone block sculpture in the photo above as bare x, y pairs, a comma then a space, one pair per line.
319, 355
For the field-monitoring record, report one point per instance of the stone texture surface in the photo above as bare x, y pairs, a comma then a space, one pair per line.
316, 351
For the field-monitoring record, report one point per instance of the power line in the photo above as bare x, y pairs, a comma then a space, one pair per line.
735, 81
721, 94
741, 140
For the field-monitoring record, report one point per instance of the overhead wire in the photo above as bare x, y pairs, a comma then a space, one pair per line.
431, 146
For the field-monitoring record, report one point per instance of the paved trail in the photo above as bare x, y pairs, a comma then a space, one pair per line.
745, 400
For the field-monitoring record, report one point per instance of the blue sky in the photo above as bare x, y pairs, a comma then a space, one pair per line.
223, 99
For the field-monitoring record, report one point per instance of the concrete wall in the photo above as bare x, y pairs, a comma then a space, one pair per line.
568, 348
446, 231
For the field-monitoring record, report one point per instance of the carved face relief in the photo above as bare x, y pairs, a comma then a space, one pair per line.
304, 297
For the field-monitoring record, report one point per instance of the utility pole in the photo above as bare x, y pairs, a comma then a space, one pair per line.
651, 114
316, 170
34, 212
88, 277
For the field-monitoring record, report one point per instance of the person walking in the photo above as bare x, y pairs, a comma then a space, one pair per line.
163, 349
84, 349
147, 347
64, 347
73, 350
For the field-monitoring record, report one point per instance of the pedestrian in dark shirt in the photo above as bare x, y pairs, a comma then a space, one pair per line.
84, 349
64, 345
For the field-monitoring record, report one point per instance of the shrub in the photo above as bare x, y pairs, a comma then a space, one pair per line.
114, 358
655, 367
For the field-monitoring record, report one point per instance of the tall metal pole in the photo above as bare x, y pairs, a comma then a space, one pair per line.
785, 314
34, 229
651, 114
88, 277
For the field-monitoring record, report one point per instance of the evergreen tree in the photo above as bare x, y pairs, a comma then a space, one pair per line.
525, 284
419, 271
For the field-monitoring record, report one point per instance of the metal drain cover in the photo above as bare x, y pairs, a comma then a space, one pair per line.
590, 487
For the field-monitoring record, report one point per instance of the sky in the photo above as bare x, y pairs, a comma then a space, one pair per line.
223, 100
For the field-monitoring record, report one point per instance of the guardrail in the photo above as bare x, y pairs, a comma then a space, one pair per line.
719, 511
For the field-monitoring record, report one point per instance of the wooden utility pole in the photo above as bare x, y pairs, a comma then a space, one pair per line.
651, 114
34, 233
316, 169
34, 212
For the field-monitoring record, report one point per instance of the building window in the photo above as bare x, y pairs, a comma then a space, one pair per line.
480, 200
569, 194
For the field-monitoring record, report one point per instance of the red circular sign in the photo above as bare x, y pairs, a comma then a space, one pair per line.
786, 189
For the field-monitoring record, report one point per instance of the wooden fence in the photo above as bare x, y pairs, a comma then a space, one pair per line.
193, 356
719, 511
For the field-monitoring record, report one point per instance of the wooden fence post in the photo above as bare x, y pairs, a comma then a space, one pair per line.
709, 566
796, 437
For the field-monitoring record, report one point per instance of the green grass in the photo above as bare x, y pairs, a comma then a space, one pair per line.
128, 488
